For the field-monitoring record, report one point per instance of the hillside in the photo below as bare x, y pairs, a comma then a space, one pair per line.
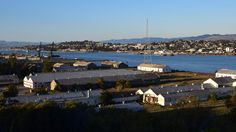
212, 37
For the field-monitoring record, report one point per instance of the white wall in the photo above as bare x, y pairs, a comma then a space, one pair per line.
150, 69
210, 81
161, 100
225, 75
28, 83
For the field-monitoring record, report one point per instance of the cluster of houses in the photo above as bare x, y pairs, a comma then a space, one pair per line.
221, 86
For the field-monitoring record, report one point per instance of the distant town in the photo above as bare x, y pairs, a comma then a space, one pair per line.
202, 47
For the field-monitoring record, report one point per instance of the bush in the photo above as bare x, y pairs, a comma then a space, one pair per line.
106, 98
11, 91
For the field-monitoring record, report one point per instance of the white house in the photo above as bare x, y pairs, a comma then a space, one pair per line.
154, 68
220, 82
226, 73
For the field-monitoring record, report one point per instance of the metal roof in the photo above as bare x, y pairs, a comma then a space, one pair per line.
226, 71
114, 73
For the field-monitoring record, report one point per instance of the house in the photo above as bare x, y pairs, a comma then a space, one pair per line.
8, 79
113, 64
85, 64
226, 73
220, 82
154, 68
111, 75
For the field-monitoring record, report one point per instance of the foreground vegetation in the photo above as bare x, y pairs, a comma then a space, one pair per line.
73, 117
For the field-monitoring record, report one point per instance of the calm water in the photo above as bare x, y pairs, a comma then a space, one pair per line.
180, 62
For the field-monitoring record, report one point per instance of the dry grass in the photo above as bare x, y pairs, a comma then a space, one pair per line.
218, 107
183, 78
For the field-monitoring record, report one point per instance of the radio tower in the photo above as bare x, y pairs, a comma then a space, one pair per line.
147, 49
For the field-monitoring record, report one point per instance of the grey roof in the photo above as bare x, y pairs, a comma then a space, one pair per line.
199, 92
93, 80
227, 71
178, 89
114, 73
6, 78
223, 80
83, 63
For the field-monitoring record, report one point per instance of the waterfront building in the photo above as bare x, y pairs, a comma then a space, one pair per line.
226, 73
86, 64
154, 68
113, 64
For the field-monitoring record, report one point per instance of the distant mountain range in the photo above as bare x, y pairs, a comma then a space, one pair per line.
212, 37
8, 44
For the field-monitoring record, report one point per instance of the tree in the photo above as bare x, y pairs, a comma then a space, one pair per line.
10, 91
100, 83
106, 98
122, 84
2, 100
231, 102
212, 97
71, 104
47, 66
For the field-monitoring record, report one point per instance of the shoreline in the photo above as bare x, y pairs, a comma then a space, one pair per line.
135, 52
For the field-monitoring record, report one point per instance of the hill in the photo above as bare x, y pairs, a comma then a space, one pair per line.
212, 37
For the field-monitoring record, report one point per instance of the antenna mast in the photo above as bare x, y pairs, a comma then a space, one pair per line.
147, 58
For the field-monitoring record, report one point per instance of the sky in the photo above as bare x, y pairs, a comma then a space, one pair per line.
71, 20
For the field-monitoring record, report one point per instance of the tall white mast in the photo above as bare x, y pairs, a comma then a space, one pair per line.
147, 58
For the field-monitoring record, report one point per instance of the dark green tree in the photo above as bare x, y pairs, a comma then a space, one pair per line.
106, 98
100, 82
47, 66
10, 91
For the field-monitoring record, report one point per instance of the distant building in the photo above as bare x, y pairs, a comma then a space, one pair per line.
226, 73
67, 68
44, 79
113, 64
8, 79
58, 65
86, 64
154, 68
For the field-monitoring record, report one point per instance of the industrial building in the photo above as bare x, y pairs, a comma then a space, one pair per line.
154, 68
43, 80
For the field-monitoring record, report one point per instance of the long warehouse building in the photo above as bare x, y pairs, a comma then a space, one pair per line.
43, 80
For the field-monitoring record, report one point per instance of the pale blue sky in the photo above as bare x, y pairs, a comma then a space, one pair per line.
65, 20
